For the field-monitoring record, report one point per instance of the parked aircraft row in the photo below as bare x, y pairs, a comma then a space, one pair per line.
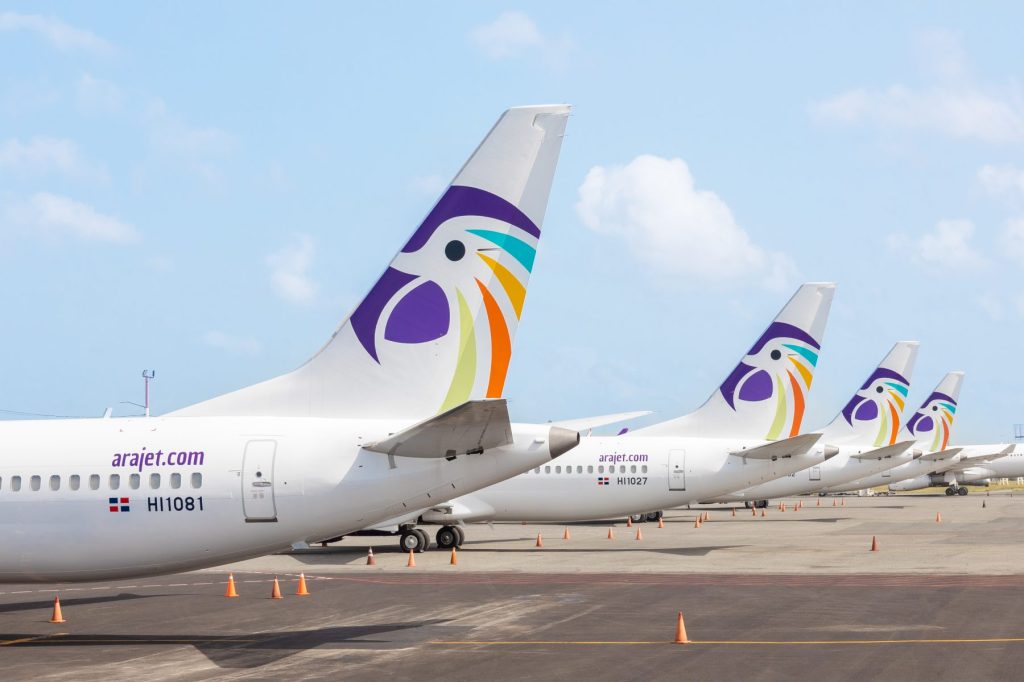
399, 421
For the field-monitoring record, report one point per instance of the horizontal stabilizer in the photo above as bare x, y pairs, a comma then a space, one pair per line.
941, 455
587, 423
471, 427
797, 445
887, 451
972, 456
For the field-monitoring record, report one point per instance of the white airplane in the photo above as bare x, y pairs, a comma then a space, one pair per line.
931, 428
975, 464
393, 413
746, 433
865, 431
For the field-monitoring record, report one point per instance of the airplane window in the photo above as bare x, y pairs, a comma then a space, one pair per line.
537, 470
35, 482
133, 481
643, 469
558, 470
547, 470
1, 482
15, 483
74, 481
600, 469
175, 481
622, 468
115, 481
94, 482
632, 469
197, 480
154, 481
579, 470
54, 482
590, 469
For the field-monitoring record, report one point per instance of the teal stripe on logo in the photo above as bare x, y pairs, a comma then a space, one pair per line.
951, 408
811, 356
899, 387
520, 250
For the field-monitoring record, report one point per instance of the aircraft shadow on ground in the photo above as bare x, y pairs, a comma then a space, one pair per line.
79, 601
242, 650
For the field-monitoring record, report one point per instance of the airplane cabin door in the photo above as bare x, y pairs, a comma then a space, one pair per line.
258, 481
677, 470
815, 473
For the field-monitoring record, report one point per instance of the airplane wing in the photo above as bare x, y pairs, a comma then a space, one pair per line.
967, 461
587, 423
797, 445
941, 454
471, 427
887, 451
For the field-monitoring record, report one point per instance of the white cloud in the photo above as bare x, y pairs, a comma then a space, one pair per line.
232, 344
289, 271
507, 36
171, 134
1012, 240
41, 155
56, 215
1002, 180
946, 246
653, 204
95, 95
56, 32
955, 105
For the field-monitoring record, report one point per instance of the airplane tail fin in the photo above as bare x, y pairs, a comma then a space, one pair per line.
932, 425
874, 413
765, 396
436, 330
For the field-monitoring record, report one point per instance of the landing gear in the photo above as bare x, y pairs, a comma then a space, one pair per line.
961, 491
951, 491
655, 516
638, 518
760, 504
449, 536
413, 540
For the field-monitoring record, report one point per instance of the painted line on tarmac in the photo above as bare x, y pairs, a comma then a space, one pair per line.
824, 642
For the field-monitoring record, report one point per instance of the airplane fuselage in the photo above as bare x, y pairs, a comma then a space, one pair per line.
102, 498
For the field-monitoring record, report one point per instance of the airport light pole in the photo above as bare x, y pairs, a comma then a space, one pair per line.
148, 374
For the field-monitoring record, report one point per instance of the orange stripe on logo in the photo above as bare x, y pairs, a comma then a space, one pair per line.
501, 347
895, 423
798, 404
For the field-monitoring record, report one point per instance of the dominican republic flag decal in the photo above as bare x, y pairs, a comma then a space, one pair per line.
119, 504
603, 480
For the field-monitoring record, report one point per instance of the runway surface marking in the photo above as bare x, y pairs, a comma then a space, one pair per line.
824, 642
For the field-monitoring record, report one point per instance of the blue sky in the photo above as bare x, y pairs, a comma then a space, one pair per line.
208, 189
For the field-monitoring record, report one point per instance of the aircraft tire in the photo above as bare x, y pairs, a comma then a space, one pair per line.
962, 491
410, 541
423, 536
950, 491
446, 537
461, 535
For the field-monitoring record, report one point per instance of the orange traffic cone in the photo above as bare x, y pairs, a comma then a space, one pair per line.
639, 535
874, 544
540, 542
412, 560
819, 503
833, 502
661, 523
681, 637
302, 591
611, 535
57, 616
843, 502
276, 592
707, 516
565, 535
370, 561
455, 558
734, 512
782, 506
938, 517
763, 514
753, 511
629, 522
696, 522
230, 592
